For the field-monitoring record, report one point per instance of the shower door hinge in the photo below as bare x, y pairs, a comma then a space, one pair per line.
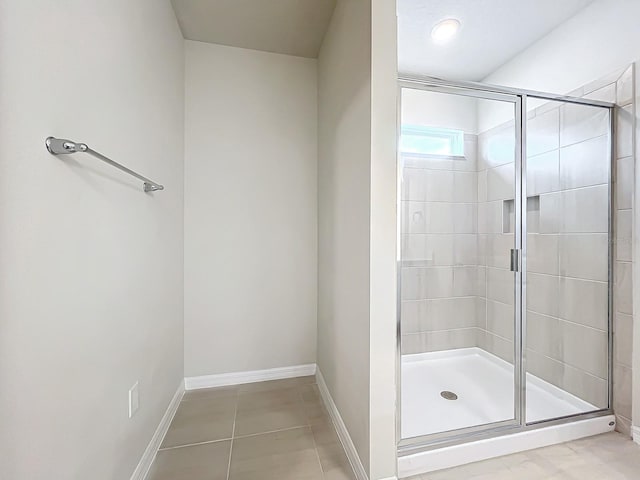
515, 260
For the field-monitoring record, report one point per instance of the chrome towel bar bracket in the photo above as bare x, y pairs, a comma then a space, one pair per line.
60, 146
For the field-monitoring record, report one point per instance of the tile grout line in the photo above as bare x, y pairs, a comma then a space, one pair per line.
315, 449
193, 444
497, 200
307, 423
313, 437
270, 431
297, 389
233, 432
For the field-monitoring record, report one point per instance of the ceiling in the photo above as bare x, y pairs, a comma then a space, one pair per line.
492, 32
291, 27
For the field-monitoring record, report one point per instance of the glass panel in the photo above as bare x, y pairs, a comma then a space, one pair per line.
457, 292
567, 278
423, 140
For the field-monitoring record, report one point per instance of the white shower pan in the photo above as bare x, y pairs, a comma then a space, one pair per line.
484, 387
483, 384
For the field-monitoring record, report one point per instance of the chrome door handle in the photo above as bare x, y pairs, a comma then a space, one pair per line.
515, 260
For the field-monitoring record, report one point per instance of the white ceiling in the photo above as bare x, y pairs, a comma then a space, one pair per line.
292, 27
492, 32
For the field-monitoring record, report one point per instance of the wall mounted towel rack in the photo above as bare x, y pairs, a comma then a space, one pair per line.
60, 146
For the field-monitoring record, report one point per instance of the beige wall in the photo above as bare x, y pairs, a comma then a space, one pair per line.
90, 266
632, 195
250, 210
383, 289
344, 187
115, 77
598, 40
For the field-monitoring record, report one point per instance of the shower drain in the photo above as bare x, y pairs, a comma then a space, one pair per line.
447, 395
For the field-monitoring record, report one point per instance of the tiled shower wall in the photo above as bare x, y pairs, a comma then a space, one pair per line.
567, 280
439, 251
567, 247
496, 177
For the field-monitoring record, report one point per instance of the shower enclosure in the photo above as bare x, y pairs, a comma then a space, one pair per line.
504, 261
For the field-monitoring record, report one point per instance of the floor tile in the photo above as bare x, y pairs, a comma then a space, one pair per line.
277, 384
310, 393
324, 433
270, 398
284, 455
306, 445
282, 431
314, 406
334, 462
269, 419
208, 461
267, 411
202, 420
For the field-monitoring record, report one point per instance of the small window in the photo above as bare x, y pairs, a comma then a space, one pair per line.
420, 140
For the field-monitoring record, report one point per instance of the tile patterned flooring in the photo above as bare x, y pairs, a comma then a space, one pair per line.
280, 430
267, 431
611, 456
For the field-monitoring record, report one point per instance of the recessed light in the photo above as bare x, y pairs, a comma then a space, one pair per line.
445, 30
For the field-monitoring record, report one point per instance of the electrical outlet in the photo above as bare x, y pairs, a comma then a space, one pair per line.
134, 399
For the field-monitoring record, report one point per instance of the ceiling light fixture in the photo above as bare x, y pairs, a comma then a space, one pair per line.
445, 30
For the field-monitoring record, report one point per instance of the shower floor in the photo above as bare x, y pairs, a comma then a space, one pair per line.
484, 386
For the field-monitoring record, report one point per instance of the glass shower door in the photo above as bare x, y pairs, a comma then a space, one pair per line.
459, 161
505, 261
568, 260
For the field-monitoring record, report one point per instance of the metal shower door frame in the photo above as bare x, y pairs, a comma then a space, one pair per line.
519, 98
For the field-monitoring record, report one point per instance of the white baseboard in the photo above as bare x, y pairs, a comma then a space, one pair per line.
635, 434
141, 471
238, 378
484, 449
343, 433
